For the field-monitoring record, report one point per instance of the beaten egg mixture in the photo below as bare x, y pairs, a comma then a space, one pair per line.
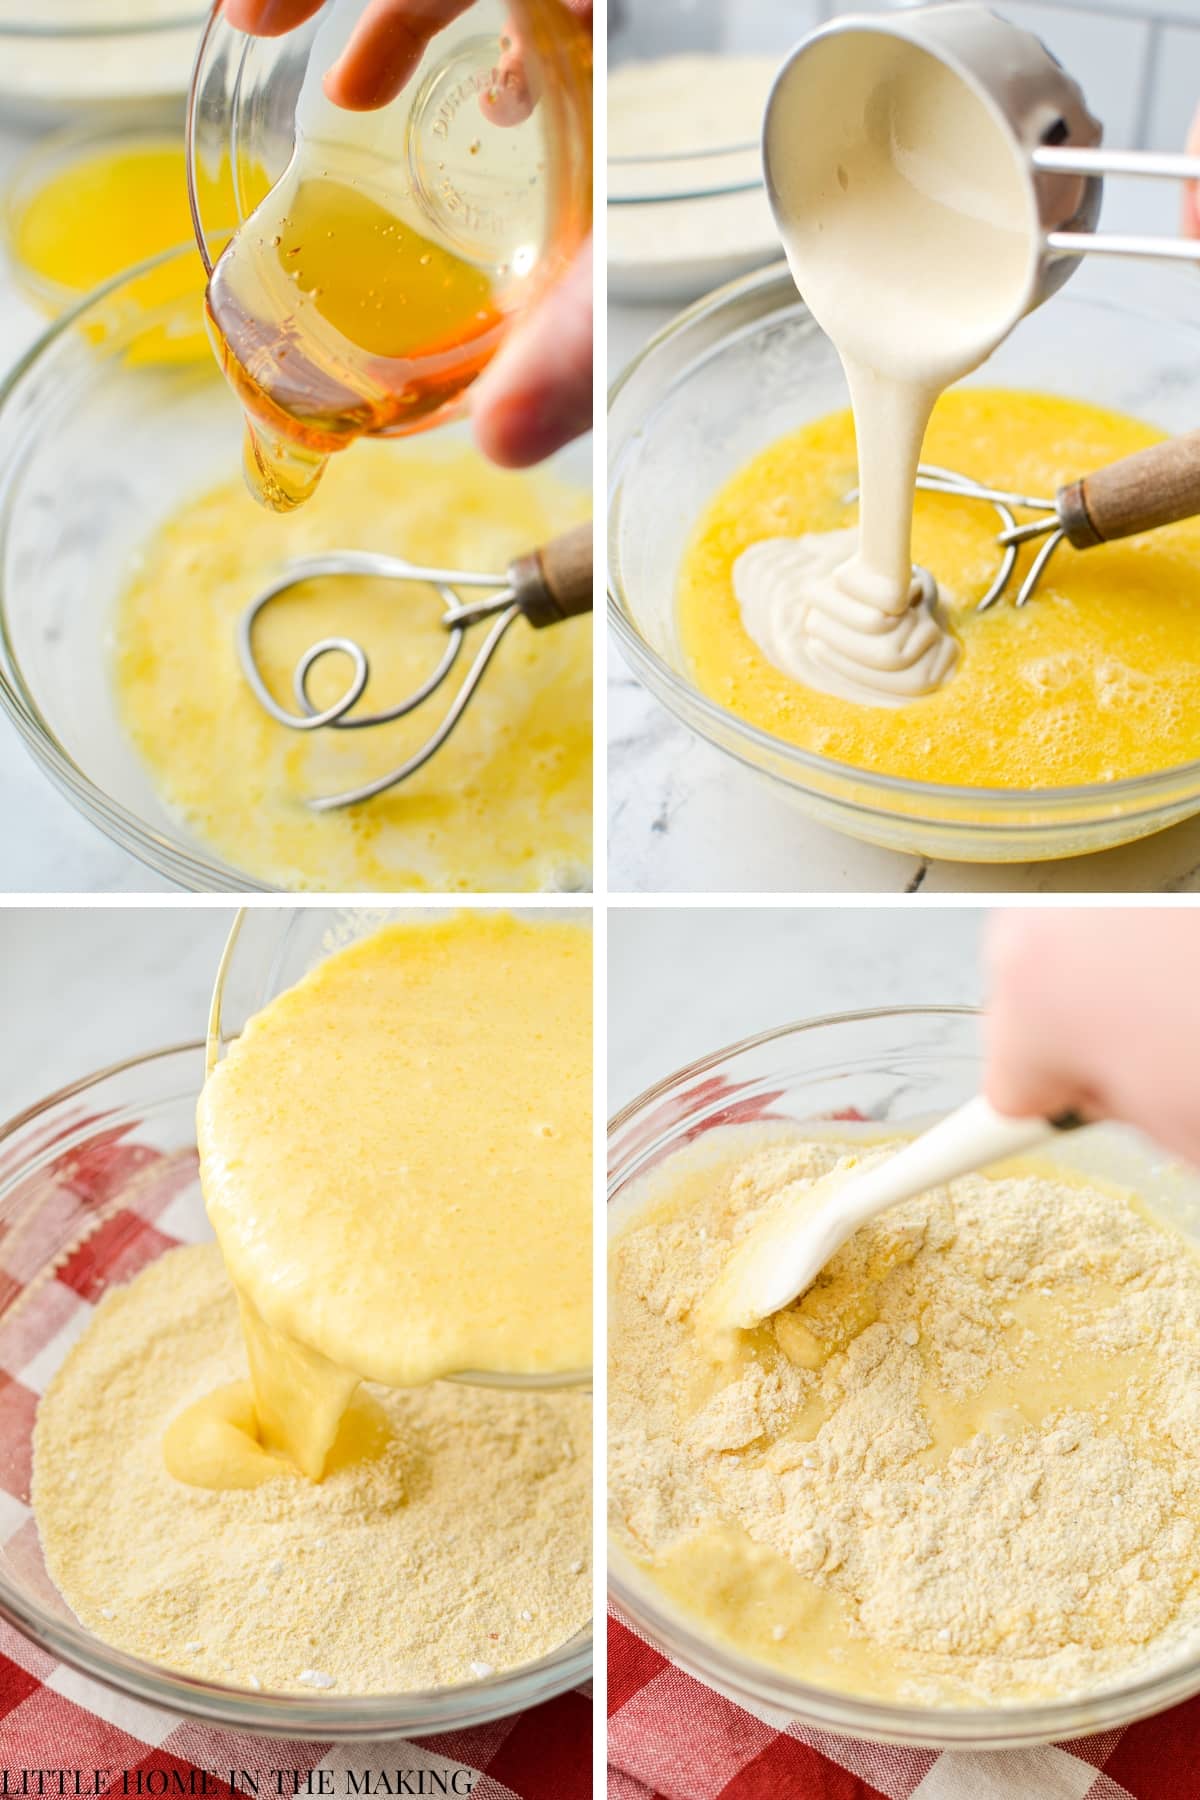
1096, 679
505, 805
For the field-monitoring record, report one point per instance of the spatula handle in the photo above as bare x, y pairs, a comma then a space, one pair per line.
555, 582
973, 1137
1141, 492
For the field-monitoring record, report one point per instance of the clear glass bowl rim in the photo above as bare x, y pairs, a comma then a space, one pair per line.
178, 861
665, 161
642, 657
341, 1719
757, 1685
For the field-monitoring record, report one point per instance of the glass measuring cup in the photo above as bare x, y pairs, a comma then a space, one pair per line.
381, 257
268, 950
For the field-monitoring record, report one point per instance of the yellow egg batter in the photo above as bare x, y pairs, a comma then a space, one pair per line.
1098, 678
504, 806
396, 1159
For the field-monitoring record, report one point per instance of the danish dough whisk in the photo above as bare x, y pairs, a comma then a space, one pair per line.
545, 587
1151, 488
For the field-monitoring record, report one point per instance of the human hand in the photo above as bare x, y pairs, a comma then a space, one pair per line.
537, 393
1097, 1011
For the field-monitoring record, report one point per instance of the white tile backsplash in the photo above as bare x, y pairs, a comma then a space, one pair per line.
647, 28
771, 25
1187, 11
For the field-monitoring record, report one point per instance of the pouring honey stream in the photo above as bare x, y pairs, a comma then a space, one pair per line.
370, 285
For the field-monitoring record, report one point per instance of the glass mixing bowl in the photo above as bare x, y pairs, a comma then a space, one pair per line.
895, 1069
111, 1161
51, 159
113, 420
748, 365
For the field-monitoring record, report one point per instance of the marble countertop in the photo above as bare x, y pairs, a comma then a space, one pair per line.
707, 976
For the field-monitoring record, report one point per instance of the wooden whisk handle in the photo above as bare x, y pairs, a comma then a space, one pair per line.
1141, 492
555, 582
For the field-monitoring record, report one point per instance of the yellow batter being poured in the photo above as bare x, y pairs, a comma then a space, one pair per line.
396, 1161
505, 806
1098, 678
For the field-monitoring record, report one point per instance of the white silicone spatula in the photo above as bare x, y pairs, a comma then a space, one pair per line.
786, 1252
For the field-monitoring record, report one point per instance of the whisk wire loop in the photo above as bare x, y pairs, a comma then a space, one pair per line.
932, 479
547, 586
458, 707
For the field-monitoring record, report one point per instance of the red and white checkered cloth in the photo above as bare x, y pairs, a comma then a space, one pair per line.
52, 1716
672, 1738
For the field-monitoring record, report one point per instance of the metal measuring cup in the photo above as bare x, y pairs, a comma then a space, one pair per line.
1055, 139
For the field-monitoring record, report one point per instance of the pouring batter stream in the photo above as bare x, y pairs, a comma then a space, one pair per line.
905, 218
395, 1157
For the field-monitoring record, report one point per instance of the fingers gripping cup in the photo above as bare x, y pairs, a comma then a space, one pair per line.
379, 257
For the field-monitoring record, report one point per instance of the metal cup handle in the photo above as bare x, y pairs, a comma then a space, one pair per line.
1098, 162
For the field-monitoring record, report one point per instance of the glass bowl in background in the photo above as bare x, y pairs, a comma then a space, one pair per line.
150, 224
749, 365
63, 55
892, 1070
114, 419
114, 1154
683, 219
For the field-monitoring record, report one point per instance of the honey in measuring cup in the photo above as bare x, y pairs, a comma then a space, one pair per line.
377, 278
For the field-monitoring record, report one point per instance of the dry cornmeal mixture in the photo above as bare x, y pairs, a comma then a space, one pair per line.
449, 1541
964, 1468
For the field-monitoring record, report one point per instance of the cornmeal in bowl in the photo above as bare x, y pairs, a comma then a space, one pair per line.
963, 1469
